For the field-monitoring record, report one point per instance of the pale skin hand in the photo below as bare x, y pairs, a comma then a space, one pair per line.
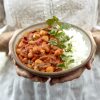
26, 74
96, 36
77, 73
19, 70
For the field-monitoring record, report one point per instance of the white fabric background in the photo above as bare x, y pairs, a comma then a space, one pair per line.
22, 13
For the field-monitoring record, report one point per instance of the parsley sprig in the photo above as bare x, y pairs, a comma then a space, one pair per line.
63, 40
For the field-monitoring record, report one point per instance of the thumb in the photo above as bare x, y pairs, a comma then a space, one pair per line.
11, 41
89, 64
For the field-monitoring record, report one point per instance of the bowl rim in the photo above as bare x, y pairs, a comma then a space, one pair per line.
46, 74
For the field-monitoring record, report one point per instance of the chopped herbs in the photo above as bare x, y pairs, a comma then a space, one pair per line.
65, 26
63, 40
52, 21
53, 32
68, 47
62, 65
53, 42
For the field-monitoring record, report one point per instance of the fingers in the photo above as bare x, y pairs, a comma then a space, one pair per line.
11, 40
61, 80
26, 74
20, 71
71, 76
23, 73
97, 40
93, 41
38, 79
89, 64
5, 38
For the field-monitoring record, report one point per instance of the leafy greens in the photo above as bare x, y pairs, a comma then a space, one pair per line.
63, 40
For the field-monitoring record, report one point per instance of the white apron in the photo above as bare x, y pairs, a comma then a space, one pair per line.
22, 13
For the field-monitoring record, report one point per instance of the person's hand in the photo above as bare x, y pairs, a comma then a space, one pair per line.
19, 70
76, 73
96, 36
69, 77
89, 64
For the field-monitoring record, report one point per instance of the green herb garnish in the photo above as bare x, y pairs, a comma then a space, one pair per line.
52, 21
62, 65
63, 40
53, 42
68, 47
65, 26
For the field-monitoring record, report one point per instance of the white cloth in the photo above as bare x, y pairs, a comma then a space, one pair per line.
22, 13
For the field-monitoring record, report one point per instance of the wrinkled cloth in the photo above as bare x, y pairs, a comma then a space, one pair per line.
22, 13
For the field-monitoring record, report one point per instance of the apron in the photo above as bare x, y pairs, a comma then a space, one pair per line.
23, 13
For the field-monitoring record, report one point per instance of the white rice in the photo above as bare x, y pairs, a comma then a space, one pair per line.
81, 46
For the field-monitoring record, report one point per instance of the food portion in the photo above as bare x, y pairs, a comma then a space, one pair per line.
49, 49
